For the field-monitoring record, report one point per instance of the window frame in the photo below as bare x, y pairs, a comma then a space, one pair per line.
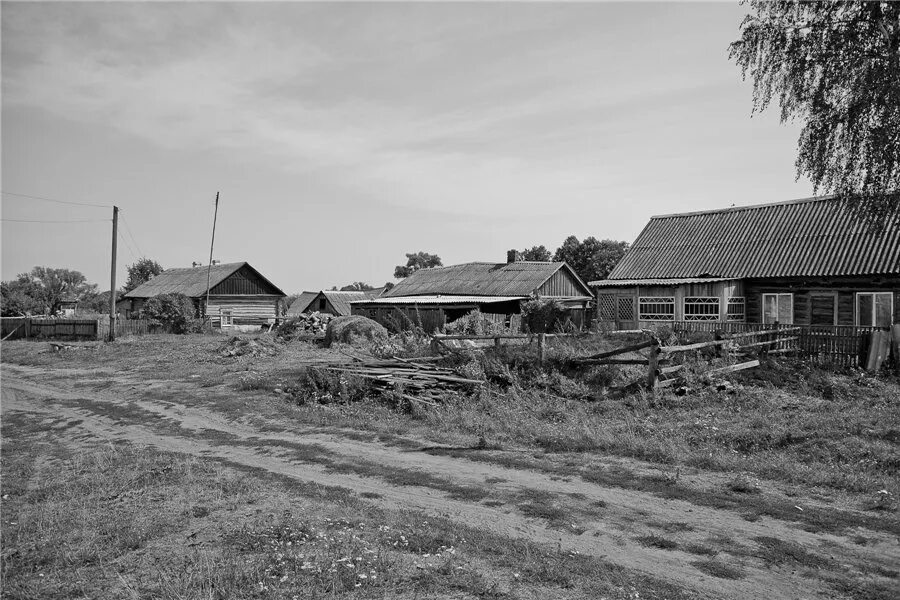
737, 301
226, 317
856, 311
696, 301
778, 296
657, 300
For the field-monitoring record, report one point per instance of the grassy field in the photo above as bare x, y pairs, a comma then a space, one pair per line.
804, 448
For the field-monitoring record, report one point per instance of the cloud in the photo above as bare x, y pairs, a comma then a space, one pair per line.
433, 107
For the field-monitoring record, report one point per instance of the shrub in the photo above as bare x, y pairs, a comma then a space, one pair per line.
171, 312
474, 323
353, 330
544, 315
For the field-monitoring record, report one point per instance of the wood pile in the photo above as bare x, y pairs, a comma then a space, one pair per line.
421, 381
305, 325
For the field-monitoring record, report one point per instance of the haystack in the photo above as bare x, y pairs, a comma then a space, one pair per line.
353, 330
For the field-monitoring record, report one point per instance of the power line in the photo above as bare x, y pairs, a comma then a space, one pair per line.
45, 199
131, 235
46, 221
128, 247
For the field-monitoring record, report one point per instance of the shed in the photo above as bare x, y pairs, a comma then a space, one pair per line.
802, 262
435, 297
333, 302
238, 293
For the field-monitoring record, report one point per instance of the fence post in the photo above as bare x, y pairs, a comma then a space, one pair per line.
541, 340
497, 342
652, 365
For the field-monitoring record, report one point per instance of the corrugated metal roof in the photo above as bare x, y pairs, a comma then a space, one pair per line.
341, 300
301, 303
438, 299
189, 281
812, 237
480, 279
680, 281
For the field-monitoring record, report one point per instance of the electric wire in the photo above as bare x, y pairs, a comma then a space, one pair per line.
45, 199
131, 235
56, 221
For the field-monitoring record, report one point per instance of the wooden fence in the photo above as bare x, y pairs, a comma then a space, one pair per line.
844, 345
14, 328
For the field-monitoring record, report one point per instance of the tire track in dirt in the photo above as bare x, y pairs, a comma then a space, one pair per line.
24, 396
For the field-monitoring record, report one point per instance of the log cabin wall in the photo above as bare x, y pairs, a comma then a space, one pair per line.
245, 310
821, 301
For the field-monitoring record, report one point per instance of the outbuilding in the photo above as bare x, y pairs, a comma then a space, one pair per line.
431, 298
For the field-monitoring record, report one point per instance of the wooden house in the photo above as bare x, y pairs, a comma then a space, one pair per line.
238, 294
332, 302
434, 297
803, 262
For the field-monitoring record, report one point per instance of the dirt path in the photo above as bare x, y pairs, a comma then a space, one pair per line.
119, 413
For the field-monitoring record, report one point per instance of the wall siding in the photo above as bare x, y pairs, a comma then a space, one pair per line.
244, 282
561, 284
245, 310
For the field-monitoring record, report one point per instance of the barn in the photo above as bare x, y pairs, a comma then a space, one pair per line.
435, 297
803, 262
238, 293
332, 302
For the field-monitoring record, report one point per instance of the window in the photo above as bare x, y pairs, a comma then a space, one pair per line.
625, 308
778, 308
322, 304
737, 310
874, 309
226, 320
607, 307
657, 308
701, 308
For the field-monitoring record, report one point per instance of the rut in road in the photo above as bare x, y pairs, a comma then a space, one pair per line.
190, 430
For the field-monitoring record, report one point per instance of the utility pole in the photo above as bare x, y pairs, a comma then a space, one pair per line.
112, 277
209, 266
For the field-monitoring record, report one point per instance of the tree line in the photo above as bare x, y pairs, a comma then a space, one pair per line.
42, 290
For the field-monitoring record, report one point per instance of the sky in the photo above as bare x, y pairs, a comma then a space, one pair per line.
341, 136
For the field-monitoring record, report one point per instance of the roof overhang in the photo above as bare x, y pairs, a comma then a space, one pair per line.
604, 283
438, 299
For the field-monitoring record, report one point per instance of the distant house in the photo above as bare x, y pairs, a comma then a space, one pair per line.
434, 297
238, 293
332, 302
803, 262
67, 306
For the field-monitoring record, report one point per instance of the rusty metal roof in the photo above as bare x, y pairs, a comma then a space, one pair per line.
811, 237
191, 281
481, 279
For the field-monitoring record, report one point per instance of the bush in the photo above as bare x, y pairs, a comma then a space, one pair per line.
171, 312
544, 315
353, 330
474, 323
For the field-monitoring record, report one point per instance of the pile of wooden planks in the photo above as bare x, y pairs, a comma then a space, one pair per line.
419, 380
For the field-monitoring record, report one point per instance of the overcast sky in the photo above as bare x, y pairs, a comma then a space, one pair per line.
343, 135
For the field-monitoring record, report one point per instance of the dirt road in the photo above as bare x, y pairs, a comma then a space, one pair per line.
607, 522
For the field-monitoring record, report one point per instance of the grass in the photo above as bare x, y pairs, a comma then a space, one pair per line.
655, 541
180, 527
718, 569
786, 422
